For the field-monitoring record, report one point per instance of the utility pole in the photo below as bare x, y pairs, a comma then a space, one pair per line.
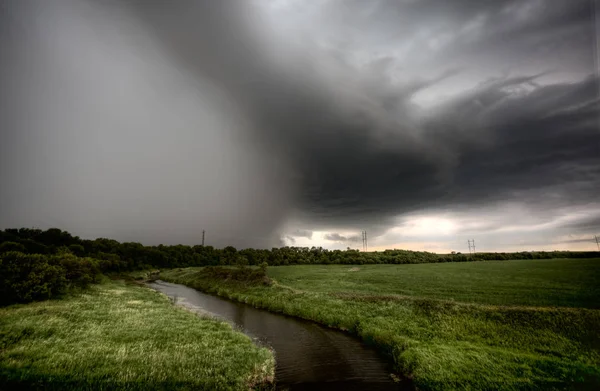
203, 238
367, 243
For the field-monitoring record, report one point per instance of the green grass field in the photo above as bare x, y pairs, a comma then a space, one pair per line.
511, 325
125, 337
544, 282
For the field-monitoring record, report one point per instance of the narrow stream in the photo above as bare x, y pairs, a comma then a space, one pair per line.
308, 356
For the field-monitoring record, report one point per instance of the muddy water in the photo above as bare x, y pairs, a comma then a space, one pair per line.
308, 356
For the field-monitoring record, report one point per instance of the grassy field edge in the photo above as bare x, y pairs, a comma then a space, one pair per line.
547, 348
118, 335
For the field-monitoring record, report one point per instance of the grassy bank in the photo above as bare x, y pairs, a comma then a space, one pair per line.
127, 337
500, 332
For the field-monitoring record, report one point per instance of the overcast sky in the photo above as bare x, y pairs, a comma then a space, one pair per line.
292, 122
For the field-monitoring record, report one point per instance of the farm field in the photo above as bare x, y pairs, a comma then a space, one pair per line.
121, 336
543, 282
511, 325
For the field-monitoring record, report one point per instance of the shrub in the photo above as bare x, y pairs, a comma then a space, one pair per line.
79, 272
28, 277
33, 247
108, 262
11, 246
263, 267
77, 249
246, 275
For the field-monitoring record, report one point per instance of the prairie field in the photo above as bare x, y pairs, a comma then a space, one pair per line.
537, 282
514, 325
121, 336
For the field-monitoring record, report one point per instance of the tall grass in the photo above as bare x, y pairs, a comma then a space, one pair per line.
442, 344
125, 337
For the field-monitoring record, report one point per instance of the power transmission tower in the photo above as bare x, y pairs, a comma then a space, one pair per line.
364, 240
471, 244
203, 238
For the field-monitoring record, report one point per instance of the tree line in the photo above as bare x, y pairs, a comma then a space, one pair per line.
66, 260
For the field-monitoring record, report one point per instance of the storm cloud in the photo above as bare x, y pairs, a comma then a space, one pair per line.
273, 119
335, 237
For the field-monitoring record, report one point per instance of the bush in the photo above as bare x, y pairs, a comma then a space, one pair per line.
263, 267
108, 262
79, 272
11, 246
28, 277
33, 247
77, 249
247, 275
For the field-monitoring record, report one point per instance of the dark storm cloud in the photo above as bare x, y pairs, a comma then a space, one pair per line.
509, 137
341, 119
580, 241
492, 34
302, 233
335, 237
104, 133
287, 238
590, 223
541, 141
